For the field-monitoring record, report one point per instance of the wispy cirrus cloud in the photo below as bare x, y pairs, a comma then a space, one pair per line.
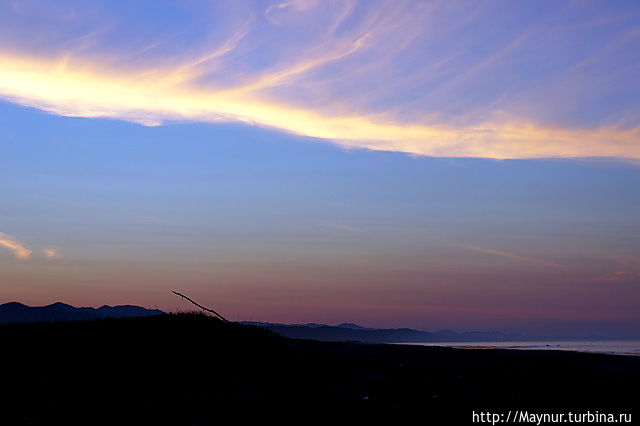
391, 76
623, 270
513, 256
20, 251
23, 252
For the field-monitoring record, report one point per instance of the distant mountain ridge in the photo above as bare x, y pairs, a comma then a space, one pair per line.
355, 332
14, 313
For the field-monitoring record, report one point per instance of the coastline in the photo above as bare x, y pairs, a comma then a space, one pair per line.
608, 347
172, 366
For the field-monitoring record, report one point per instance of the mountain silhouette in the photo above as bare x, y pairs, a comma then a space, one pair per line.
14, 312
354, 332
353, 326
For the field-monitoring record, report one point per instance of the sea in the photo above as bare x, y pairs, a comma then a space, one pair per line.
615, 347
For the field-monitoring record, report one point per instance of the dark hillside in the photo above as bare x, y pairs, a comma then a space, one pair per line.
188, 369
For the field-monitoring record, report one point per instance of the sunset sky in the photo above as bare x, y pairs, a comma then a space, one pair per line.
470, 165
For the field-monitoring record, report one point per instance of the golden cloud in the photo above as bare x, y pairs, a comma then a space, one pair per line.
19, 250
50, 253
153, 96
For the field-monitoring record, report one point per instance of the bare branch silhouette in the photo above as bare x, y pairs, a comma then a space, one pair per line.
202, 307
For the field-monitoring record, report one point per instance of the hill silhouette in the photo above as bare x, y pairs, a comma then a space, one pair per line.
190, 368
354, 332
14, 312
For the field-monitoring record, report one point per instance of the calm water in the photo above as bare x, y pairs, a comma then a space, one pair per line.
618, 347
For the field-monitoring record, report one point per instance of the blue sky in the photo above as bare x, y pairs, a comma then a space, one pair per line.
422, 164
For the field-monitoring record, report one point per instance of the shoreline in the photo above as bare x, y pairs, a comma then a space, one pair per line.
615, 347
174, 366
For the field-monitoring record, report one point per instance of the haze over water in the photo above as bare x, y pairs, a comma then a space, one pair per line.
616, 347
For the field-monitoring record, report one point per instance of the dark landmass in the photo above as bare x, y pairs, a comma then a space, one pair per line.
354, 332
193, 369
14, 313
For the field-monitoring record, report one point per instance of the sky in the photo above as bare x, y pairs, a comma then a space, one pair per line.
428, 164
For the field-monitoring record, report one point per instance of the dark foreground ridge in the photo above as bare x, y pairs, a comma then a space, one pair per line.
189, 369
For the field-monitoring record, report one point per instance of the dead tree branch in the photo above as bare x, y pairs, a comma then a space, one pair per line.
202, 307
